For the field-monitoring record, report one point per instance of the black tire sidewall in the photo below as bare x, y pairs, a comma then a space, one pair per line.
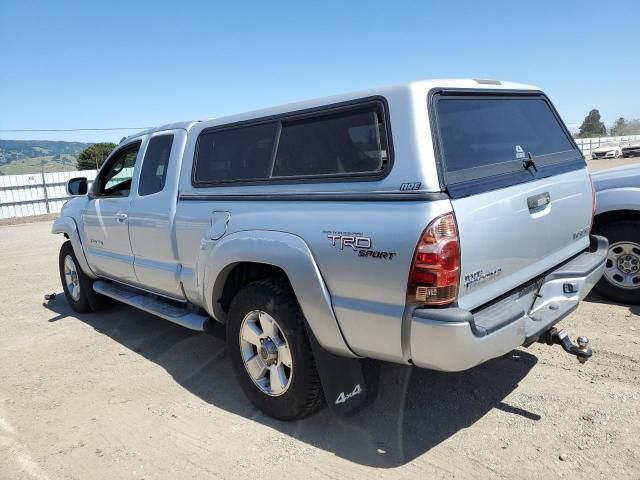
81, 305
627, 230
274, 298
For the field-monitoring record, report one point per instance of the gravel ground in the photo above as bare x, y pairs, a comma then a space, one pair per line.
122, 394
597, 165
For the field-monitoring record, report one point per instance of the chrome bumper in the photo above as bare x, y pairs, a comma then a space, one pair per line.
454, 339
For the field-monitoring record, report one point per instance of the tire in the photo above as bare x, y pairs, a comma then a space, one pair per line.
263, 346
84, 299
621, 281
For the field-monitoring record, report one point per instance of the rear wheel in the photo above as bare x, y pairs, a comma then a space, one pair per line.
77, 286
270, 350
621, 279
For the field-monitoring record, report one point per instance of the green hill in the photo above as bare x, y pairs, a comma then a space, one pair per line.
30, 156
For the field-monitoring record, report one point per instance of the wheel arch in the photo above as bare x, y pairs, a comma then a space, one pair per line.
234, 277
269, 252
612, 216
68, 227
611, 202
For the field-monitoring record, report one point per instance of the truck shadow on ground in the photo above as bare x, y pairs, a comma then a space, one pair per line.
595, 297
412, 410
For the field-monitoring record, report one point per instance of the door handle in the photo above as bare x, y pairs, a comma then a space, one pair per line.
121, 216
538, 201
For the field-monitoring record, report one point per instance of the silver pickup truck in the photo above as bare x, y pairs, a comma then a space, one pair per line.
618, 219
437, 223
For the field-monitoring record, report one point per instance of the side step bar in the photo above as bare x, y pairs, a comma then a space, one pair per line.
152, 304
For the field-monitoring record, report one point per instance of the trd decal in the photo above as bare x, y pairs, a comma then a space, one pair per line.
353, 241
376, 254
357, 242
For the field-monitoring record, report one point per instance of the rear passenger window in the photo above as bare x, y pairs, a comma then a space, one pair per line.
342, 143
348, 142
155, 164
235, 154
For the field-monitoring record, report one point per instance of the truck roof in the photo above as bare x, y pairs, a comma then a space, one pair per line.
417, 87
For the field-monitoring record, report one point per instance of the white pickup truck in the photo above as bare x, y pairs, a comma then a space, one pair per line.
437, 223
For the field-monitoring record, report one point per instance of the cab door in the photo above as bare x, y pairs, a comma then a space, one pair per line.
105, 221
152, 213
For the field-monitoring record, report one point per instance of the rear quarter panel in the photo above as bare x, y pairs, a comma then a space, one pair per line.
367, 292
617, 189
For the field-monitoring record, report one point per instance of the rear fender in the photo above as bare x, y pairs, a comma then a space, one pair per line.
618, 199
68, 226
291, 254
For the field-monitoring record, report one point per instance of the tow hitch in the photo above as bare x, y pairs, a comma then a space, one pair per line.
554, 336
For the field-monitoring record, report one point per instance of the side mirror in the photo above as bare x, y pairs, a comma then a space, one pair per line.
77, 186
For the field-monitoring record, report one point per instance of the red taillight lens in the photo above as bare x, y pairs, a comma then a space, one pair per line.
593, 202
435, 272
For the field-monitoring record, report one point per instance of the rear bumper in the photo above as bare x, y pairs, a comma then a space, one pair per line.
455, 339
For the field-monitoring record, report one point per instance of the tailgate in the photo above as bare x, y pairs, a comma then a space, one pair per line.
518, 185
504, 243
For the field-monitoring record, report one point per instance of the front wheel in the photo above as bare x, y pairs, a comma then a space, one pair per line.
77, 286
621, 279
270, 350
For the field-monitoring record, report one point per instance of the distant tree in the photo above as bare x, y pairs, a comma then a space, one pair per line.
619, 127
632, 127
92, 157
625, 127
592, 126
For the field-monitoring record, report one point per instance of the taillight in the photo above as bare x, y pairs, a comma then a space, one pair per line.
593, 202
435, 272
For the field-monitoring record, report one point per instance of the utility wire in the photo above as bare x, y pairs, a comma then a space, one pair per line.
75, 129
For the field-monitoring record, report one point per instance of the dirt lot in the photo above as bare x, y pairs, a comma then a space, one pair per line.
597, 165
123, 394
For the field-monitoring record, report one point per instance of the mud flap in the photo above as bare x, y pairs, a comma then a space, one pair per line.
342, 379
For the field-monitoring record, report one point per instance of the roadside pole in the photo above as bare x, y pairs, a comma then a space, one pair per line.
44, 186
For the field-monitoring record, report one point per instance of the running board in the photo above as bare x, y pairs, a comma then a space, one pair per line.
152, 304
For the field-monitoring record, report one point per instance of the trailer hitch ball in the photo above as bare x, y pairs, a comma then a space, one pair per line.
583, 347
581, 351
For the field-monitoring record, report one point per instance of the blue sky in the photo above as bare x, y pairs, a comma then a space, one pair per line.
113, 64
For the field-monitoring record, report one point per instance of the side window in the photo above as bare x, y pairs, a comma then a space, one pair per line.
347, 142
235, 154
115, 181
154, 166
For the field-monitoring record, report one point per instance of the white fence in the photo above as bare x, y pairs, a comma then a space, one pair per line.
36, 193
41, 193
588, 144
